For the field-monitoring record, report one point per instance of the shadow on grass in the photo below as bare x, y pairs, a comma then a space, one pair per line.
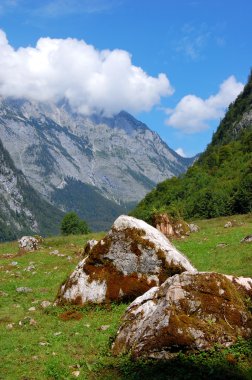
233, 363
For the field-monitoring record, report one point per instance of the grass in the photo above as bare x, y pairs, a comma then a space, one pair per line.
62, 342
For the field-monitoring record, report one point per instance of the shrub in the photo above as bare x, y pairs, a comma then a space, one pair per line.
72, 224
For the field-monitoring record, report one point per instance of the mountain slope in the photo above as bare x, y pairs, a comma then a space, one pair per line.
22, 210
220, 182
117, 159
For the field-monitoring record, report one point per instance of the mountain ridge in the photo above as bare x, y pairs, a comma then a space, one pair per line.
110, 162
219, 183
22, 209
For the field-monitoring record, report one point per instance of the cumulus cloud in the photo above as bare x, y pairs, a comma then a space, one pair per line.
192, 113
181, 152
92, 81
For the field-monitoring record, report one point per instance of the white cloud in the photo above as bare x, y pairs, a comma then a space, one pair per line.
193, 113
181, 152
91, 80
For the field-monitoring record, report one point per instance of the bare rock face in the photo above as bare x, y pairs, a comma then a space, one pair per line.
188, 312
132, 258
28, 243
171, 228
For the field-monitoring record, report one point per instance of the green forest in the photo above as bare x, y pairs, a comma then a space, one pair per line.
220, 182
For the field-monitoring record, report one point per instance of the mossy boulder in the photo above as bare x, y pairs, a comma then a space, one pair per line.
188, 312
132, 258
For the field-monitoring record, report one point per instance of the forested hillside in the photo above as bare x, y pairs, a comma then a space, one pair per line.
220, 182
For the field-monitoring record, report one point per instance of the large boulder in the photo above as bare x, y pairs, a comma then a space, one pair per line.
188, 312
132, 258
27, 244
171, 227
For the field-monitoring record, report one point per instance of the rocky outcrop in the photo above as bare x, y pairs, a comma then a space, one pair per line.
188, 312
132, 258
72, 159
28, 243
169, 227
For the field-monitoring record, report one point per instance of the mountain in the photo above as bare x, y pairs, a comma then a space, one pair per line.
97, 166
220, 182
22, 210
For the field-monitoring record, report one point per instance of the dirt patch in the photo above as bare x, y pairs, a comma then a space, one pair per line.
71, 315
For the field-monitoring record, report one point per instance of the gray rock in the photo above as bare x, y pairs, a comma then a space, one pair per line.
55, 252
30, 268
189, 312
28, 243
193, 227
45, 304
132, 258
24, 289
247, 239
228, 224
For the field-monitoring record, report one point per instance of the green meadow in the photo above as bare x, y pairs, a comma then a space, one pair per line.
74, 342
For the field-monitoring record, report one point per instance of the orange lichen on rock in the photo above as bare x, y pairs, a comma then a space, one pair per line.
128, 261
189, 312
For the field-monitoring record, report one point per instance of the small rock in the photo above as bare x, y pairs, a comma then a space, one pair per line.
27, 321
57, 333
45, 304
247, 239
8, 255
221, 245
43, 343
29, 268
104, 327
228, 224
32, 322
193, 227
10, 326
54, 354
32, 308
55, 252
69, 258
14, 263
23, 289
76, 373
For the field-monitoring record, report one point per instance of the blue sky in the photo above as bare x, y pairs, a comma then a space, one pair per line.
176, 65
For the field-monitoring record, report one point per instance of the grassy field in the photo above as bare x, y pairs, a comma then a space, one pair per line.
70, 342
